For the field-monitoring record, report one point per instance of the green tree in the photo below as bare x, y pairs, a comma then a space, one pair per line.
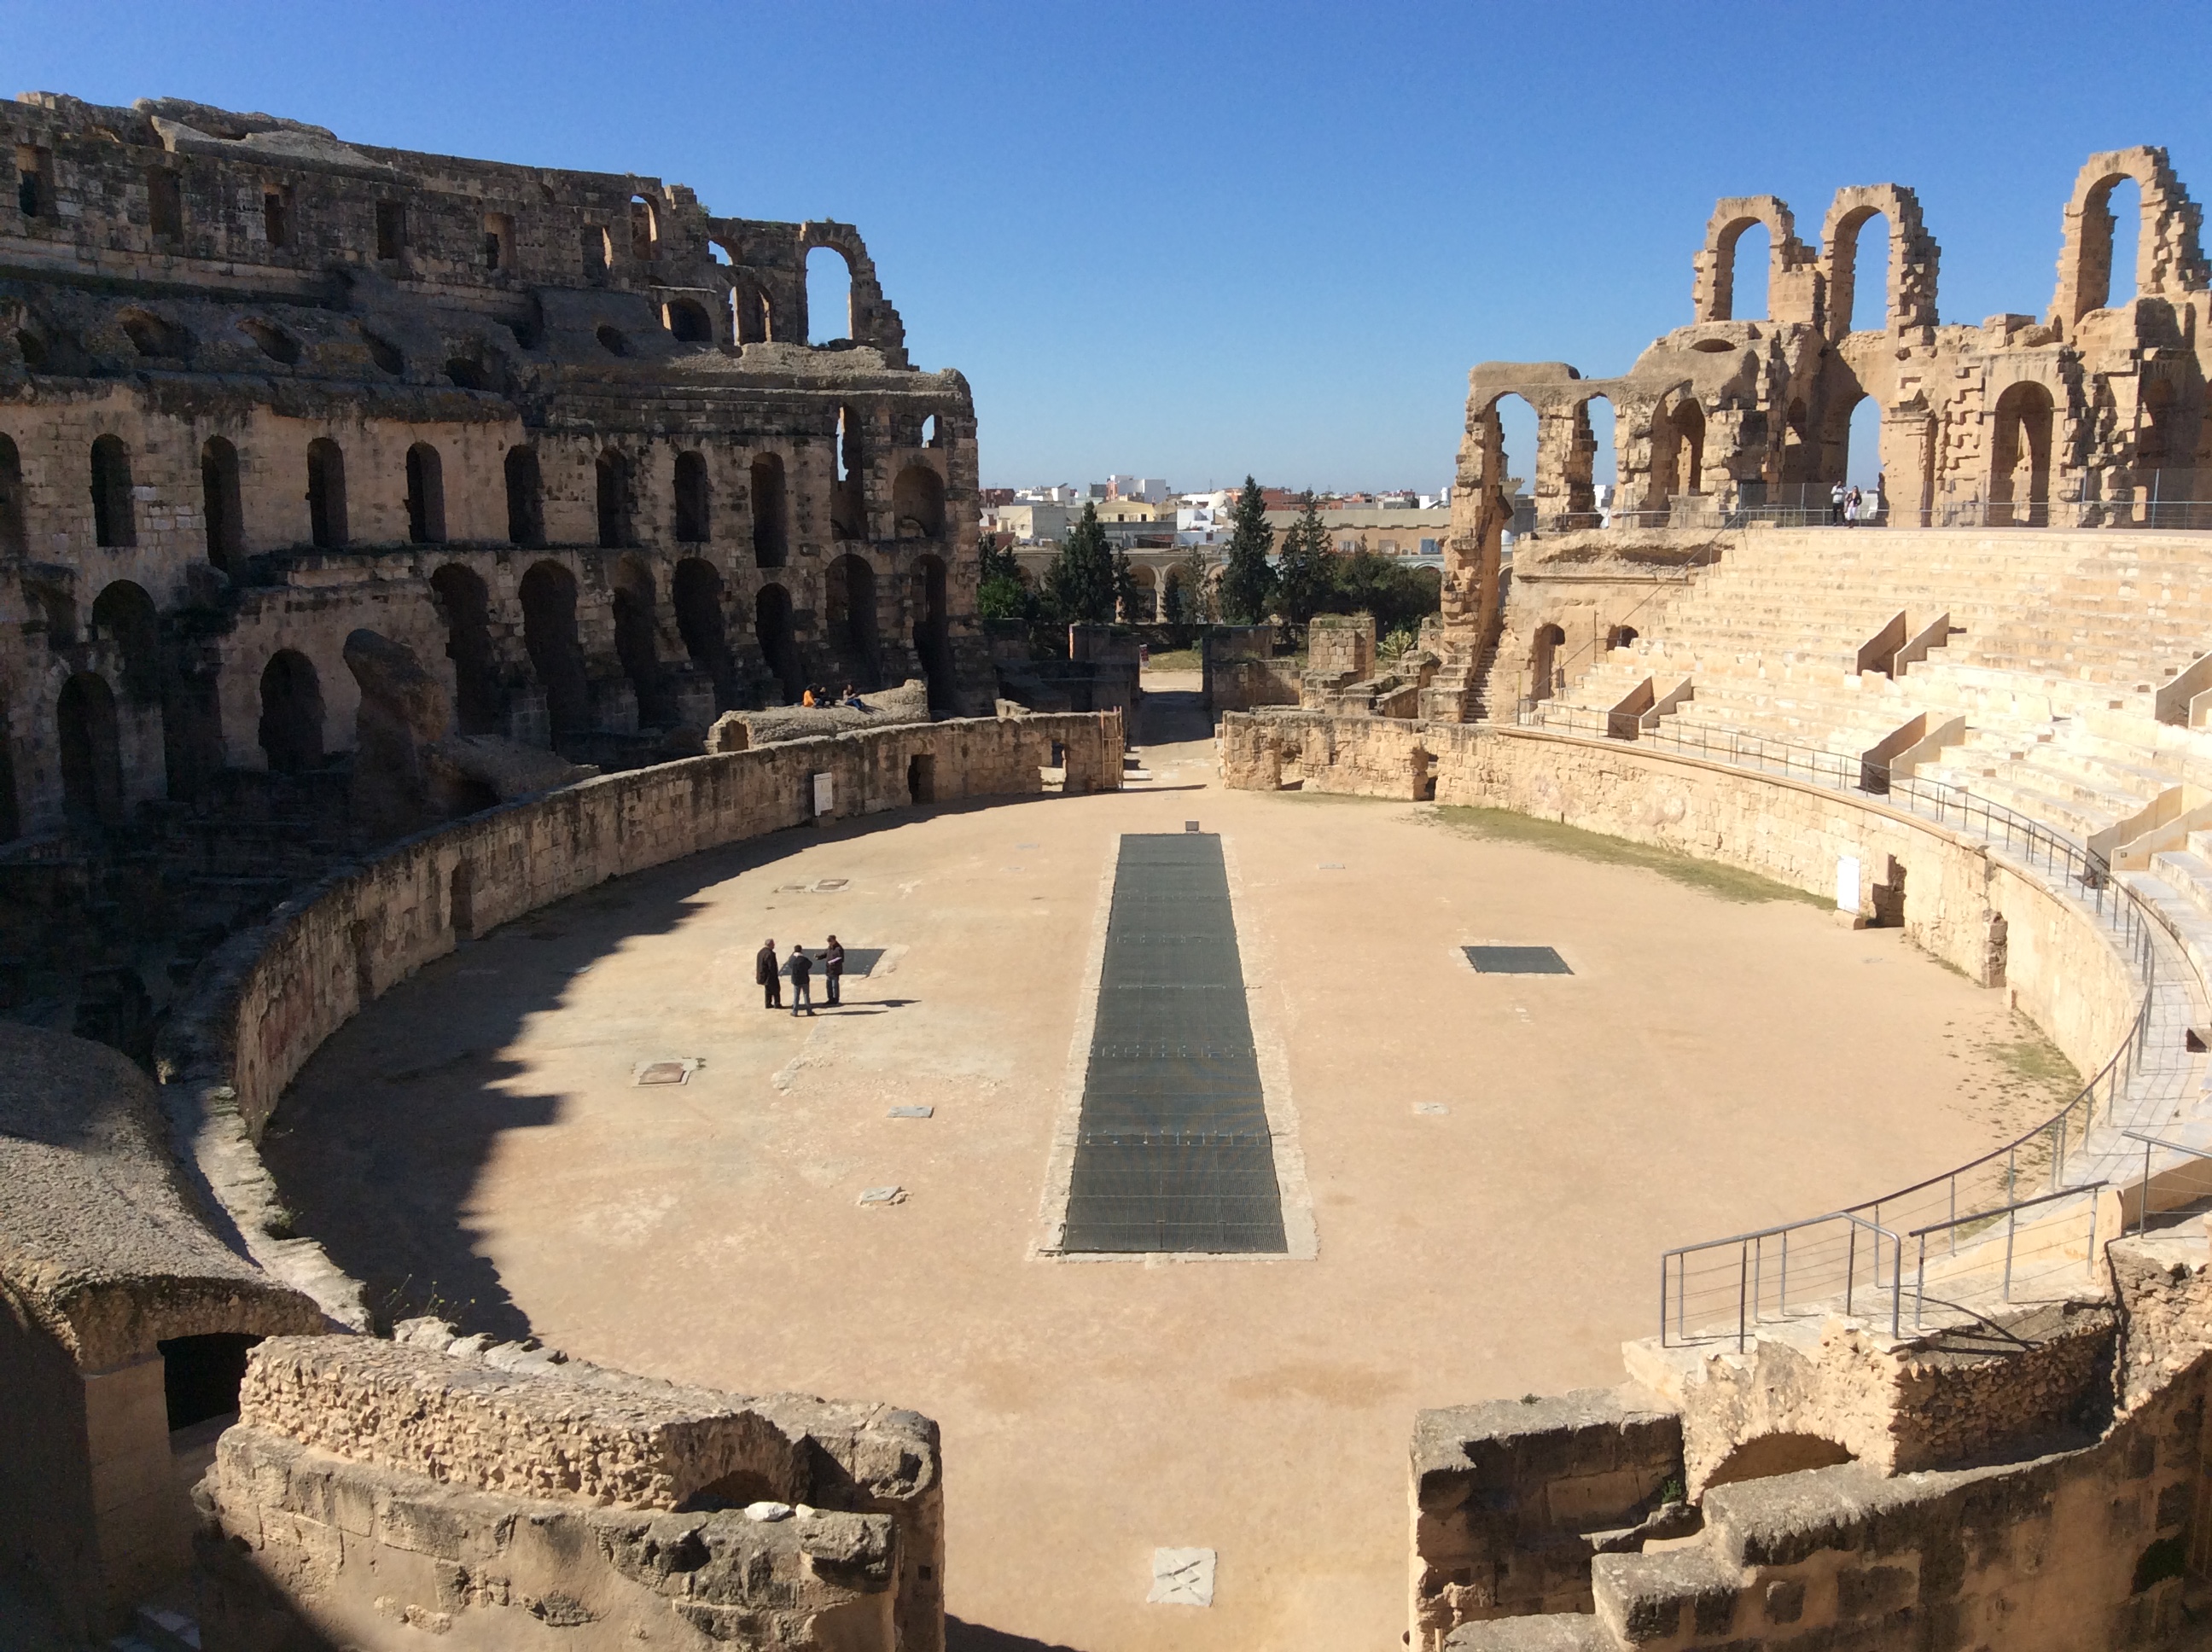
1305, 574
1398, 597
1004, 594
1128, 596
1247, 584
1079, 589
1184, 600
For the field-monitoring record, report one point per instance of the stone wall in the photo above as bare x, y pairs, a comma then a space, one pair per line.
2059, 968
1242, 671
268, 1000
377, 1491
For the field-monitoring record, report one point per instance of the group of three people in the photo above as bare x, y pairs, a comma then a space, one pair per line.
770, 974
822, 696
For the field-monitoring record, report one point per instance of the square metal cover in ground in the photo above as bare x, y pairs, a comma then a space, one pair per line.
1516, 961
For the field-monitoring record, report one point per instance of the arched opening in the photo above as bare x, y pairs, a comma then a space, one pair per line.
113, 520
1147, 603
202, 1375
751, 315
220, 510
691, 499
15, 539
848, 591
644, 230
771, 541
1678, 451
2020, 457
1543, 662
1777, 1453
549, 634
123, 615
525, 499
327, 497
426, 496
1619, 637
597, 253
467, 608
635, 645
688, 320
697, 592
848, 505
1175, 597
1800, 464
933, 431
828, 295
91, 753
1747, 247
932, 639
1517, 425
614, 499
2122, 201
1591, 464
291, 729
1866, 246
1862, 453
778, 645
918, 502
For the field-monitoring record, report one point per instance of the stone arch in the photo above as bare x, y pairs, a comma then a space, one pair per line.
1543, 662
849, 593
124, 615
688, 320
91, 751
426, 496
1788, 259
848, 512
114, 521
2169, 259
1148, 595
525, 499
918, 502
636, 642
549, 634
291, 730
1769, 1455
870, 318
694, 500
752, 317
819, 286
466, 605
15, 537
326, 495
1175, 597
932, 633
616, 500
779, 645
771, 514
696, 591
1909, 295
1581, 466
220, 509
2019, 456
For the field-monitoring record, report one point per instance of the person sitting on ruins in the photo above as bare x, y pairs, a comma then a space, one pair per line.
802, 969
852, 697
768, 977
807, 697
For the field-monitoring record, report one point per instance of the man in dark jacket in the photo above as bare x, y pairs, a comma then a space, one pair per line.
802, 967
764, 972
833, 967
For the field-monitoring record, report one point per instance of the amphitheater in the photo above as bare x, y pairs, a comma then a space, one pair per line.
1223, 1206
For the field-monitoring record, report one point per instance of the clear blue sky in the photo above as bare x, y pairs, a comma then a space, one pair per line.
1195, 241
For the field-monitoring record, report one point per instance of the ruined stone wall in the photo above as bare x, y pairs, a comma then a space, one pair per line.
209, 295
377, 1491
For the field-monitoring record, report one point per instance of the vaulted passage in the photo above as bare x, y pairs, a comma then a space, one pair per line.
1172, 1150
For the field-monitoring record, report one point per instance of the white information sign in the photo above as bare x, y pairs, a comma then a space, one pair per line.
1847, 882
825, 799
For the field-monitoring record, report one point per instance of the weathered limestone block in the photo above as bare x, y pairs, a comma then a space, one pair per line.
1509, 1496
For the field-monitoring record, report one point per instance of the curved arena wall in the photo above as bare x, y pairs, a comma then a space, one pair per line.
271, 997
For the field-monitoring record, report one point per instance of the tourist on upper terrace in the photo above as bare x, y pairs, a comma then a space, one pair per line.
765, 973
1836, 506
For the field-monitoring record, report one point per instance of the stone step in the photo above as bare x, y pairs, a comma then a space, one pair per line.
2188, 874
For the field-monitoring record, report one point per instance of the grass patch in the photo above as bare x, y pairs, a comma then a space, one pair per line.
2033, 1060
1708, 876
1173, 660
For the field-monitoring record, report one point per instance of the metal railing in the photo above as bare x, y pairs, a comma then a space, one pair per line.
2150, 1144
1702, 513
1819, 1260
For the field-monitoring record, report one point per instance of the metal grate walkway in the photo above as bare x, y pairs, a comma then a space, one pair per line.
1172, 1151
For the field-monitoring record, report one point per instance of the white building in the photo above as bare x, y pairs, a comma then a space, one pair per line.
1150, 489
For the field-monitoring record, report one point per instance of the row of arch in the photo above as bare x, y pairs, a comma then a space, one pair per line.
291, 731
918, 500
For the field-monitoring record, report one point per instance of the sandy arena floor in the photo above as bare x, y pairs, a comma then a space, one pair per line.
476, 1141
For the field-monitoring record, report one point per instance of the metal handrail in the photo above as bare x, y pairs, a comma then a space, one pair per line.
2011, 1213
2143, 1215
1750, 1271
2116, 906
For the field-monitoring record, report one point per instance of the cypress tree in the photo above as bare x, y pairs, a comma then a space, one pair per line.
1079, 589
1305, 577
1247, 584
